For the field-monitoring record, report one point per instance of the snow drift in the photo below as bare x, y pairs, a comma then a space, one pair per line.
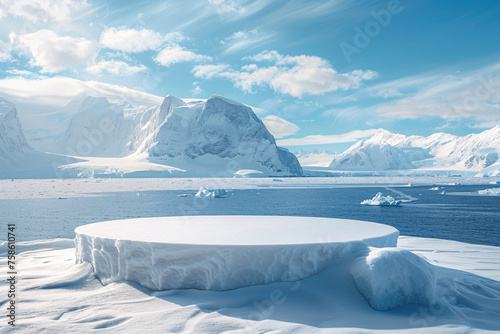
391, 277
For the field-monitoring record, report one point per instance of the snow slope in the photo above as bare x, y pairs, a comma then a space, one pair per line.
13, 144
386, 151
58, 296
99, 129
17, 157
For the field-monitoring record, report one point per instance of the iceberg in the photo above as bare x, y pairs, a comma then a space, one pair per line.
216, 193
490, 191
382, 200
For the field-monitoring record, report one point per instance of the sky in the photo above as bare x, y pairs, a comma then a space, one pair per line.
323, 73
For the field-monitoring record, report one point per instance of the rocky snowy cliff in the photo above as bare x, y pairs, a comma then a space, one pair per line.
214, 135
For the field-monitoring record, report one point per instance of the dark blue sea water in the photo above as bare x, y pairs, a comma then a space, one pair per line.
467, 218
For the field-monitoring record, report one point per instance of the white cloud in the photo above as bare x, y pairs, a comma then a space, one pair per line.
227, 6
175, 54
293, 75
472, 94
42, 11
388, 92
209, 71
242, 40
115, 67
279, 127
59, 91
175, 37
25, 74
133, 40
5, 49
55, 53
486, 124
196, 91
327, 139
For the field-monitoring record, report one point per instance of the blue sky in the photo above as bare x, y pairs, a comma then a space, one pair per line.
329, 67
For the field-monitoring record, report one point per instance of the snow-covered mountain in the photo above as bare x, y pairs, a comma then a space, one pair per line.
13, 144
388, 151
17, 157
214, 135
99, 129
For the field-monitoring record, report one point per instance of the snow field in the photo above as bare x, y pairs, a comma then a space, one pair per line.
59, 296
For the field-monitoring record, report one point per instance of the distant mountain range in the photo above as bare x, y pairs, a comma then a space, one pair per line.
389, 151
213, 137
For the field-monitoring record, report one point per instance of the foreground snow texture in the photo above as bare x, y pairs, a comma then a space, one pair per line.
57, 296
223, 252
380, 199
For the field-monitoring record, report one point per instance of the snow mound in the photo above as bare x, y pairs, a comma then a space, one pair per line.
382, 200
216, 193
223, 252
491, 191
391, 277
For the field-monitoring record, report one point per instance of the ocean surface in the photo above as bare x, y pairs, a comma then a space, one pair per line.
462, 217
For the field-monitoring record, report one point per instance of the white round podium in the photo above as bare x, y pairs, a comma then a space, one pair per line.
221, 252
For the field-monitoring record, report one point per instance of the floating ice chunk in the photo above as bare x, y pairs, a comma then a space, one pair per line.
491, 191
380, 199
216, 193
392, 277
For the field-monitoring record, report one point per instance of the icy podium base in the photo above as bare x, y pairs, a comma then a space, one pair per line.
222, 252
